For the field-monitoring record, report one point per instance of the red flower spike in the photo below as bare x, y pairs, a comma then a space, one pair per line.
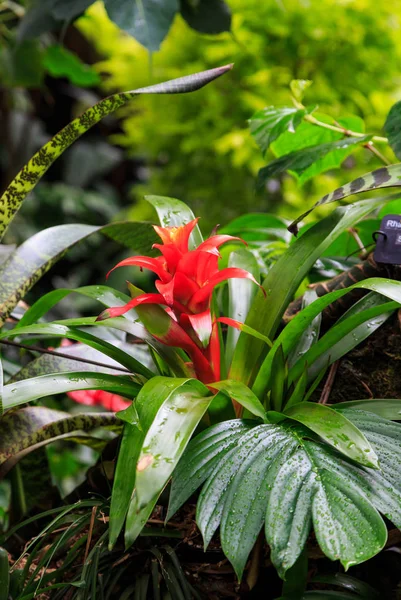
117, 311
205, 292
201, 324
186, 281
110, 401
178, 236
144, 262
230, 322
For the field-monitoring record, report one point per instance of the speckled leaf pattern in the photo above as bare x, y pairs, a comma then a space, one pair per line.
32, 172
381, 178
30, 261
29, 428
285, 477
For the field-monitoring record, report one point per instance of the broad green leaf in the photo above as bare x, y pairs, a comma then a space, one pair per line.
336, 430
269, 123
301, 160
209, 509
202, 455
60, 62
135, 235
174, 213
57, 330
381, 178
392, 128
254, 227
241, 394
309, 135
305, 482
206, 16
241, 293
283, 280
244, 512
388, 408
147, 21
168, 430
31, 173
29, 428
290, 335
35, 388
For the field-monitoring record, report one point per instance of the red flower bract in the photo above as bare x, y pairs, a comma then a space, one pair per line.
186, 280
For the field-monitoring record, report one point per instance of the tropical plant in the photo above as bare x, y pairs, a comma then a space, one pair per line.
226, 409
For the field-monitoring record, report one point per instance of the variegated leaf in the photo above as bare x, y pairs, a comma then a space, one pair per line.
32, 172
381, 178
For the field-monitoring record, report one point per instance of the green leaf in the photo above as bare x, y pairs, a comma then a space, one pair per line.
283, 280
22, 65
296, 578
392, 128
29, 428
174, 213
57, 330
341, 338
206, 16
124, 479
336, 430
269, 123
278, 380
388, 408
148, 21
297, 482
67, 11
241, 394
32, 172
34, 388
28, 263
244, 512
202, 455
381, 178
32, 259
290, 335
310, 334
362, 589
241, 293
298, 88
309, 136
101, 293
300, 160
168, 430
60, 62
45, 364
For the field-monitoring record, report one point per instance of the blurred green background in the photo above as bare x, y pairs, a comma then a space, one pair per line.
195, 147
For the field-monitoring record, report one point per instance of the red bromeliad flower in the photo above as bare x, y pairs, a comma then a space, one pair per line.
186, 280
108, 400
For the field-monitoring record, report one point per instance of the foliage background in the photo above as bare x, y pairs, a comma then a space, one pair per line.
198, 148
